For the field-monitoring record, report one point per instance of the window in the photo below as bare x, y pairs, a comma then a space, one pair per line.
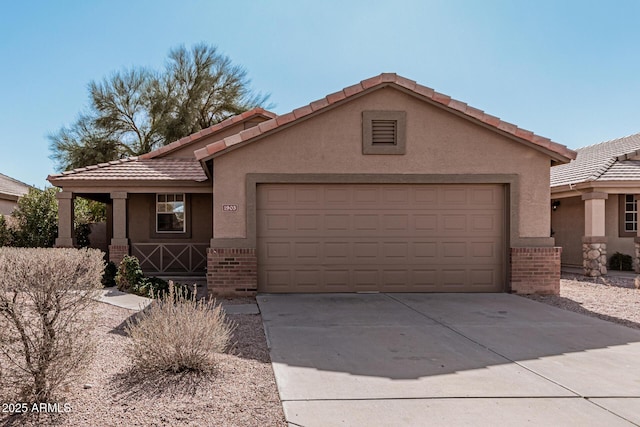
628, 215
383, 132
170, 213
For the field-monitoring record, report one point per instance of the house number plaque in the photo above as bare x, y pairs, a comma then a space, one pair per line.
229, 208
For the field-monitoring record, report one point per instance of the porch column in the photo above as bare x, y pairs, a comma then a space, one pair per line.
594, 241
636, 257
119, 246
65, 220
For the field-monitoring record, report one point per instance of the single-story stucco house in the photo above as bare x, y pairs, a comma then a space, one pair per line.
10, 191
594, 204
384, 186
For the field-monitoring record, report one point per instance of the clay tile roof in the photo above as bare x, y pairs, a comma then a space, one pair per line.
247, 115
606, 161
136, 169
12, 187
560, 152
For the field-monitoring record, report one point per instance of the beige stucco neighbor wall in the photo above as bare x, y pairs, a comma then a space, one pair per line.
615, 243
568, 224
438, 142
7, 206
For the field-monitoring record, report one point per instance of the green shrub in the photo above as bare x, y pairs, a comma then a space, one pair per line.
109, 275
46, 297
82, 232
7, 234
178, 334
129, 274
621, 262
130, 278
36, 219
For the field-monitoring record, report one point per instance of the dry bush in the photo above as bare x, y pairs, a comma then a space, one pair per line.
45, 299
177, 333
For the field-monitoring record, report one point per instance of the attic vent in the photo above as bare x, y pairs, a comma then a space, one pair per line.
383, 132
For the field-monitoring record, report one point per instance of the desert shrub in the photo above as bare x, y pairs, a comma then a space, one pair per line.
178, 334
621, 262
129, 274
45, 319
109, 274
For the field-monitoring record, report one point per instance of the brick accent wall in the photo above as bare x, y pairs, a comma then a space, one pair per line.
535, 270
117, 252
232, 272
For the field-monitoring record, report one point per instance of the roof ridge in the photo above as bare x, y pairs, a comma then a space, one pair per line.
602, 169
608, 141
16, 180
97, 166
207, 131
380, 81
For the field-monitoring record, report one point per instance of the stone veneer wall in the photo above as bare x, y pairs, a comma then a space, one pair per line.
117, 252
232, 272
535, 270
594, 256
636, 258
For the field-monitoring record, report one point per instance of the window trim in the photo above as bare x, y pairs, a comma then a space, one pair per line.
184, 221
622, 217
368, 147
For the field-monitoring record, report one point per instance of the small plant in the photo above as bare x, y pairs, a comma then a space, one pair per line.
130, 278
178, 334
45, 319
621, 262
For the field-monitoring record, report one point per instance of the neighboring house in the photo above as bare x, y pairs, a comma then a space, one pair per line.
594, 208
10, 191
384, 186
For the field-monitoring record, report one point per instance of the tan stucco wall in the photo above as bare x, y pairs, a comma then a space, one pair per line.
568, 224
141, 220
438, 142
7, 206
187, 151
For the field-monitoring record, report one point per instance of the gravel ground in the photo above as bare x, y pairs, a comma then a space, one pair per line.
612, 298
242, 392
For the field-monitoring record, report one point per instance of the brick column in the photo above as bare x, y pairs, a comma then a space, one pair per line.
535, 270
594, 241
232, 272
119, 246
65, 220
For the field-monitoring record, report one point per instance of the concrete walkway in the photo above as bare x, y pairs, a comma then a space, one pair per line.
134, 302
122, 299
448, 360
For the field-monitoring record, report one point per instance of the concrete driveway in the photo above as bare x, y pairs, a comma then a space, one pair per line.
448, 359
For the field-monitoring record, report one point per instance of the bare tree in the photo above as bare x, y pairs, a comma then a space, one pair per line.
45, 319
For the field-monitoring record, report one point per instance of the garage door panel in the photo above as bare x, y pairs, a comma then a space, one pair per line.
405, 238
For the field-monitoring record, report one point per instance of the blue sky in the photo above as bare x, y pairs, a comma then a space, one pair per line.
567, 70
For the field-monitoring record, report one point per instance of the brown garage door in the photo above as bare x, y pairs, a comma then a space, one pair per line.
382, 237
